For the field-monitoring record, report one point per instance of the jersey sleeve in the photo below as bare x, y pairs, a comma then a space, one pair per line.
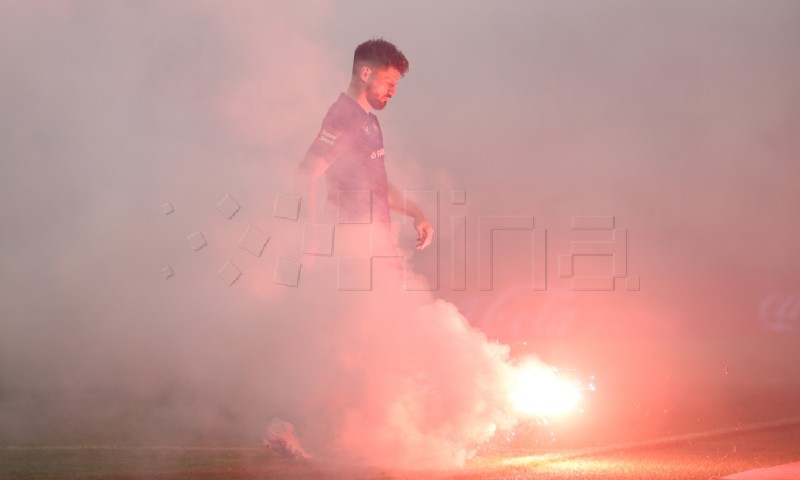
331, 137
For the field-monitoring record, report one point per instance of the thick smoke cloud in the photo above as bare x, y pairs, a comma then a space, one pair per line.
126, 112
676, 118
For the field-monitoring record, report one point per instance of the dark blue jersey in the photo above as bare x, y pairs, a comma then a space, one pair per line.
351, 141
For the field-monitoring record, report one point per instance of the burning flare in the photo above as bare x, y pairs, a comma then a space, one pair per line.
538, 391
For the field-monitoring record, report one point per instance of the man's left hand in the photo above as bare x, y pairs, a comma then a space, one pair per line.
424, 232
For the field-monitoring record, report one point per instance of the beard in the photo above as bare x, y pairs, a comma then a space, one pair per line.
377, 103
376, 100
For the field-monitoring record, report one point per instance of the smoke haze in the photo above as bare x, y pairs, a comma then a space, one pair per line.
678, 119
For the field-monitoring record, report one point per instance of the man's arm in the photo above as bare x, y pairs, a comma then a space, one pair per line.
305, 181
407, 207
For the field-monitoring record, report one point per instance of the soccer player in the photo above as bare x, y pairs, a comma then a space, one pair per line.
349, 147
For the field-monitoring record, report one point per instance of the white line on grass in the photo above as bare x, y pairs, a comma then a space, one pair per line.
653, 443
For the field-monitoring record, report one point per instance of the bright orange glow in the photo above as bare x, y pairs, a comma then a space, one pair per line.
539, 392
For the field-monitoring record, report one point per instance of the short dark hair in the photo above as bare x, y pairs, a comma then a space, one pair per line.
377, 52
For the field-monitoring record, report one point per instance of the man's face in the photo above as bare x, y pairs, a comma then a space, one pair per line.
381, 85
